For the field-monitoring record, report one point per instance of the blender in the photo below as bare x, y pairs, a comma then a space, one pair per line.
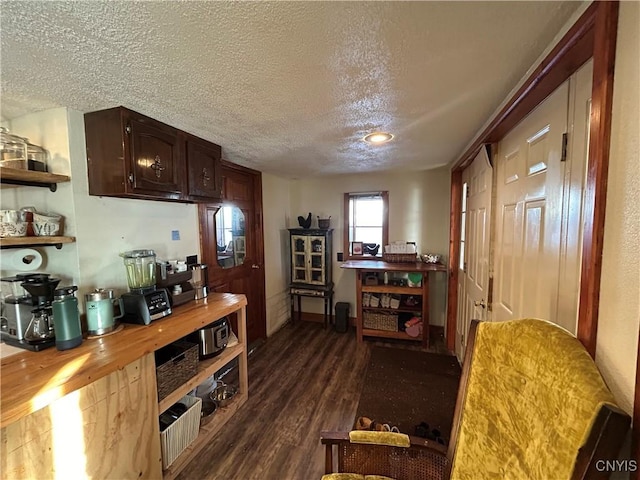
144, 302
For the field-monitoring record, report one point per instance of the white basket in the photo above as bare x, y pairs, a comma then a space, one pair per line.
179, 435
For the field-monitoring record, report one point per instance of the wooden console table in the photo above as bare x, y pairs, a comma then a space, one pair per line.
326, 293
363, 267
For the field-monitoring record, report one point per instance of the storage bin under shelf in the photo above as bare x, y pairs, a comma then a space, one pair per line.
206, 368
181, 433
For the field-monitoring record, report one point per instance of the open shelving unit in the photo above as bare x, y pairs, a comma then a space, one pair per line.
19, 242
206, 368
17, 176
20, 177
364, 267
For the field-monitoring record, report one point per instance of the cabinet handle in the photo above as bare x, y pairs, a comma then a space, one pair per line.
127, 129
131, 178
157, 167
205, 177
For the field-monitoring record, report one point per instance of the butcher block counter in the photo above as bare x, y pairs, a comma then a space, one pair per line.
110, 381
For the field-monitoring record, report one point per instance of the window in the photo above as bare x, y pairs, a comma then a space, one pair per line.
463, 226
366, 220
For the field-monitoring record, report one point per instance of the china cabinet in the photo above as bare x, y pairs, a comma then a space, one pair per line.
311, 268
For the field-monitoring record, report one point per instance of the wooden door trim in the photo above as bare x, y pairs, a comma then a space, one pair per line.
604, 52
593, 35
454, 257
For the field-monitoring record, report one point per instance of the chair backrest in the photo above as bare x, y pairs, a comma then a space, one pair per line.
532, 405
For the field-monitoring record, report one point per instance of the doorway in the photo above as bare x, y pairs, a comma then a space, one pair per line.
232, 243
473, 276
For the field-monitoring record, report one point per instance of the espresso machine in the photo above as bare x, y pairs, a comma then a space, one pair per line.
27, 318
144, 302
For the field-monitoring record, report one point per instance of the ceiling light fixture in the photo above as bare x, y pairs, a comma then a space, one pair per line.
378, 137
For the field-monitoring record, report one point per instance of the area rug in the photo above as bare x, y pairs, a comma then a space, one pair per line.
407, 387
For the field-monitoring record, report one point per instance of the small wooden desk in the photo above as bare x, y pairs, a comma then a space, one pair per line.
326, 293
375, 266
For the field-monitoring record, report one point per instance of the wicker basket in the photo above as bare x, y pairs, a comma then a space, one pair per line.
380, 321
400, 257
175, 364
181, 433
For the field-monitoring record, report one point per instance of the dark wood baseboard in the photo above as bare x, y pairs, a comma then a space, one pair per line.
435, 331
319, 318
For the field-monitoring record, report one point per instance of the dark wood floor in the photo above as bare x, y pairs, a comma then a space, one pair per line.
302, 380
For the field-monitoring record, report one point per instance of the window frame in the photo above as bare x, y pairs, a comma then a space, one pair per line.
346, 227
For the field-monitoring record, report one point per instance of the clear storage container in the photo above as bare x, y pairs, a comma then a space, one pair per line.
13, 150
37, 157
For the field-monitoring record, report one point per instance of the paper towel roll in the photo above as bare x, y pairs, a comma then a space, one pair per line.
25, 260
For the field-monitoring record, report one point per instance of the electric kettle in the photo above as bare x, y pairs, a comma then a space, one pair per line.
99, 306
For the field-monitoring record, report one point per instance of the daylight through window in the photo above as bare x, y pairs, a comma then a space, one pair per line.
367, 216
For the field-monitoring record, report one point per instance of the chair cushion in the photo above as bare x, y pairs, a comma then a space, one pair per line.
532, 395
391, 439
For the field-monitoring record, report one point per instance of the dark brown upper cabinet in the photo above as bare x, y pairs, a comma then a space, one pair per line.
204, 178
134, 156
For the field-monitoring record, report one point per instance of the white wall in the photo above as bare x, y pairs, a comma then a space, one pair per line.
103, 226
619, 316
275, 204
418, 211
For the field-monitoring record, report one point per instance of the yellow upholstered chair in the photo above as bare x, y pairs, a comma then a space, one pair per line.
531, 405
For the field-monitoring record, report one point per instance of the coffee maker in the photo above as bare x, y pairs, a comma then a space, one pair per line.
144, 302
27, 318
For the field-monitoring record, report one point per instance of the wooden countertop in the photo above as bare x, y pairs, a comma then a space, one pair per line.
32, 380
374, 265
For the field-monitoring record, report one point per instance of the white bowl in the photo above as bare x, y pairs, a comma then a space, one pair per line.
46, 229
46, 217
13, 229
431, 257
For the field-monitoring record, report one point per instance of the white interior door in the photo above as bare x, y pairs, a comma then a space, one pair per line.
473, 276
573, 200
529, 213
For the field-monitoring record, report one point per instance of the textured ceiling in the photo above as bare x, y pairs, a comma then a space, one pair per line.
288, 88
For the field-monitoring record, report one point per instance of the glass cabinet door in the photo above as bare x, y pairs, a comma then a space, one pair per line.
299, 262
316, 264
308, 259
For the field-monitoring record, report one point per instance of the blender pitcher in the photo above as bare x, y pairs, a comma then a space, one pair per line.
141, 268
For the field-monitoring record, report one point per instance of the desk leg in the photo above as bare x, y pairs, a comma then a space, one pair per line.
299, 307
326, 314
293, 318
331, 308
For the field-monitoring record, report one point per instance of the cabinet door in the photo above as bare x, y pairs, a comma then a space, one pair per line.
316, 260
300, 259
204, 169
308, 259
155, 158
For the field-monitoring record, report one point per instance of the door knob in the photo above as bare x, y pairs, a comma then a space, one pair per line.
255, 266
480, 303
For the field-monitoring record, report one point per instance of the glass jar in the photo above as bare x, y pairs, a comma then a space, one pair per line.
13, 150
37, 157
